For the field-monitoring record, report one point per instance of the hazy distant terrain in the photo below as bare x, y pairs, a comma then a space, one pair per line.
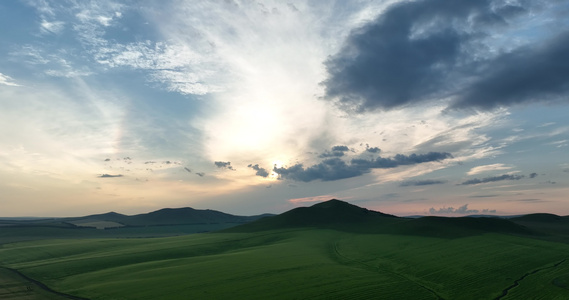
164, 222
331, 250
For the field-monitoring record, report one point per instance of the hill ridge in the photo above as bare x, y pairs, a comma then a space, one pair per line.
340, 215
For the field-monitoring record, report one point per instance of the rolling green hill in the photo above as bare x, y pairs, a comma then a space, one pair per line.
332, 214
540, 217
550, 226
340, 215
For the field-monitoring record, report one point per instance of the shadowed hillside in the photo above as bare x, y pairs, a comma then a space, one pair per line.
340, 215
457, 227
553, 226
541, 217
332, 214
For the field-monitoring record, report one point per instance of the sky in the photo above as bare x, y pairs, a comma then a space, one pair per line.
428, 107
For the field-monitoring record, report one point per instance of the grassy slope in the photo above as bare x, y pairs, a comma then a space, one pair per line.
294, 263
32, 233
15, 287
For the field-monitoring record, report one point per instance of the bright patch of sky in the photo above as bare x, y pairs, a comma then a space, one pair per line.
250, 107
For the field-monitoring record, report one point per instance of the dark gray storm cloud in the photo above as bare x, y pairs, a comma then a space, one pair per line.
528, 74
223, 165
335, 168
260, 171
422, 50
492, 179
337, 151
422, 182
533, 175
109, 176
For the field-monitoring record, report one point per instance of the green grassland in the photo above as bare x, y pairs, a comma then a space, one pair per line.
14, 287
31, 233
298, 263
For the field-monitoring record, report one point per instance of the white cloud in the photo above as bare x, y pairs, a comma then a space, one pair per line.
7, 80
51, 27
488, 168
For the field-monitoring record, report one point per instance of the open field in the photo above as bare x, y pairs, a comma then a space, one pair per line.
297, 263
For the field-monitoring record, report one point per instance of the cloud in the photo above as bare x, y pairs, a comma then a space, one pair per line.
260, 171
51, 27
335, 168
223, 165
7, 80
486, 168
529, 200
526, 75
533, 175
187, 169
340, 148
109, 176
492, 179
429, 50
372, 149
337, 151
461, 210
422, 182
320, 198
546, 124
200, 174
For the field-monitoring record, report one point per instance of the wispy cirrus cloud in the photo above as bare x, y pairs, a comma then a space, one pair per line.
320, 198
488, 168
7, 80
422, 182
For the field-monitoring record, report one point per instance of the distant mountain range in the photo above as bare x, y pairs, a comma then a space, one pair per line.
333, 214
168, 216
162, 217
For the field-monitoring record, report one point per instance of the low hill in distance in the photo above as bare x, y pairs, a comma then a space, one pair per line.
167, 216
164, 222
553, 226
162, 217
